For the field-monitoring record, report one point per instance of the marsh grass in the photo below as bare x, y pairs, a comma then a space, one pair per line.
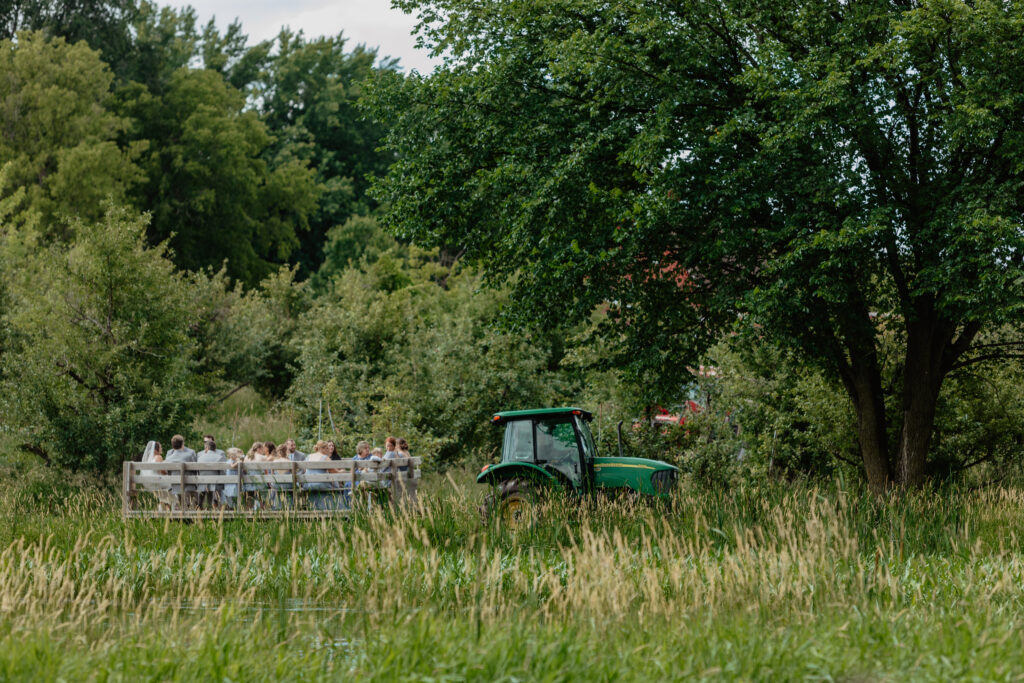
817, 583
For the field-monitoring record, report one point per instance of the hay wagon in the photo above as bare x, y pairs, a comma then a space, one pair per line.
298, 490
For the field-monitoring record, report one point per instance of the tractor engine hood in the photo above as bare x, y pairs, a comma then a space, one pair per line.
634, 473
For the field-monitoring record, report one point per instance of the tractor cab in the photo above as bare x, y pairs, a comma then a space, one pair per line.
555, 440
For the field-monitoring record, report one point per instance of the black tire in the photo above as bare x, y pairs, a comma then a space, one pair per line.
513, 506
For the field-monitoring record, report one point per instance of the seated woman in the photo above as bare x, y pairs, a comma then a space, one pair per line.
253, 487
403, 452
229, 495
154, 452
281, 491
324, 495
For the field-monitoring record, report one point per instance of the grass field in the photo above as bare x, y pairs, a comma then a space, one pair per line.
803, 583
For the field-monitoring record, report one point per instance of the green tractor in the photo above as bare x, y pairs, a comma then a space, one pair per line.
553, 448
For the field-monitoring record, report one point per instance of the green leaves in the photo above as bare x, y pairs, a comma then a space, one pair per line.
307, 96
99, 360
401, 345
212, 193
57, 129
809, 166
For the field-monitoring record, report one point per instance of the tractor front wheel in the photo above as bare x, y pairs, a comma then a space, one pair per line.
513, 506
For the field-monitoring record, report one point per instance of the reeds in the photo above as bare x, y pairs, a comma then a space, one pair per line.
610, 588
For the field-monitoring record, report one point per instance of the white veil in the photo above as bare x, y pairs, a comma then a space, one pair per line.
147, 455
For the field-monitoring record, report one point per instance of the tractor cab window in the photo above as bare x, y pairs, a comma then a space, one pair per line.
556, 448
518, 441
587, 438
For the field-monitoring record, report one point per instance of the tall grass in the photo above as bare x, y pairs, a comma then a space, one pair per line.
245, 417
812, 583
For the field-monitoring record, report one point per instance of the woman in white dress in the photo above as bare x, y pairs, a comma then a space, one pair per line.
153, 453
230, 492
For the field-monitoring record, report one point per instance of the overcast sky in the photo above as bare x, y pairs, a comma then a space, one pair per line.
372, 22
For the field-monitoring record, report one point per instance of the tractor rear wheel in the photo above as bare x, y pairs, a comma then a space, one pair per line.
513, 506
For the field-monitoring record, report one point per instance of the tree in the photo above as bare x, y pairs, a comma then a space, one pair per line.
244, 335
168, 39
212, 193
817, 169
18, 230
104, 24
58, 131
358, 238
388, 350
100, 359
307, 96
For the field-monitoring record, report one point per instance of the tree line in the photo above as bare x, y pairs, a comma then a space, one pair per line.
581, 204
244, 155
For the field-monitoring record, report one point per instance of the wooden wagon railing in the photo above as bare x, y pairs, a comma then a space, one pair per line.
302, 490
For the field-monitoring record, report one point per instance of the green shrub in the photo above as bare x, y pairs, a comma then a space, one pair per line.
99, 359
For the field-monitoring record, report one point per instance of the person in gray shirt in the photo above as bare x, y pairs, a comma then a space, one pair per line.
210, 445
294, 454
181, 453
210, 494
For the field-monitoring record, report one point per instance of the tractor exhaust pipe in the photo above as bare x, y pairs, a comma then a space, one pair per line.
619, 429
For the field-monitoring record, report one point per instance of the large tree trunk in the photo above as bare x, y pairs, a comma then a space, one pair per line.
865, 388
918, 423
925, 366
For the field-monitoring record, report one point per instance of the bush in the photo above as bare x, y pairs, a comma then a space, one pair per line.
99, 358
404, 346
765, 415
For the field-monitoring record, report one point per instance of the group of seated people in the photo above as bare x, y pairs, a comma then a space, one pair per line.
322, 495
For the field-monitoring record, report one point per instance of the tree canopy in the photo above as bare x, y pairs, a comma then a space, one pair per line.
308, 95
106, 25
58, 128
212, 192
99, 356
819, 173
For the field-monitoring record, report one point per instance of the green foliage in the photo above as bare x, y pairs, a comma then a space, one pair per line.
212, 194
307, 96
99, 359
816, 167
979, 428
246, 416
391, 351
104, 24
58, 131
789, 419
166, 40
357, 239
244, 335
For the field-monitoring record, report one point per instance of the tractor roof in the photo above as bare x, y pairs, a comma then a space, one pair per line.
509, 415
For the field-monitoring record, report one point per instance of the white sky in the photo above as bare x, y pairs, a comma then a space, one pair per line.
372, 22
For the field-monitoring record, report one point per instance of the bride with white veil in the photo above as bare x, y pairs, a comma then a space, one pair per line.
153, 452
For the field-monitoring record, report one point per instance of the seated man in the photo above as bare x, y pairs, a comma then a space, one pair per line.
210, 494
181, 453
294, 453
